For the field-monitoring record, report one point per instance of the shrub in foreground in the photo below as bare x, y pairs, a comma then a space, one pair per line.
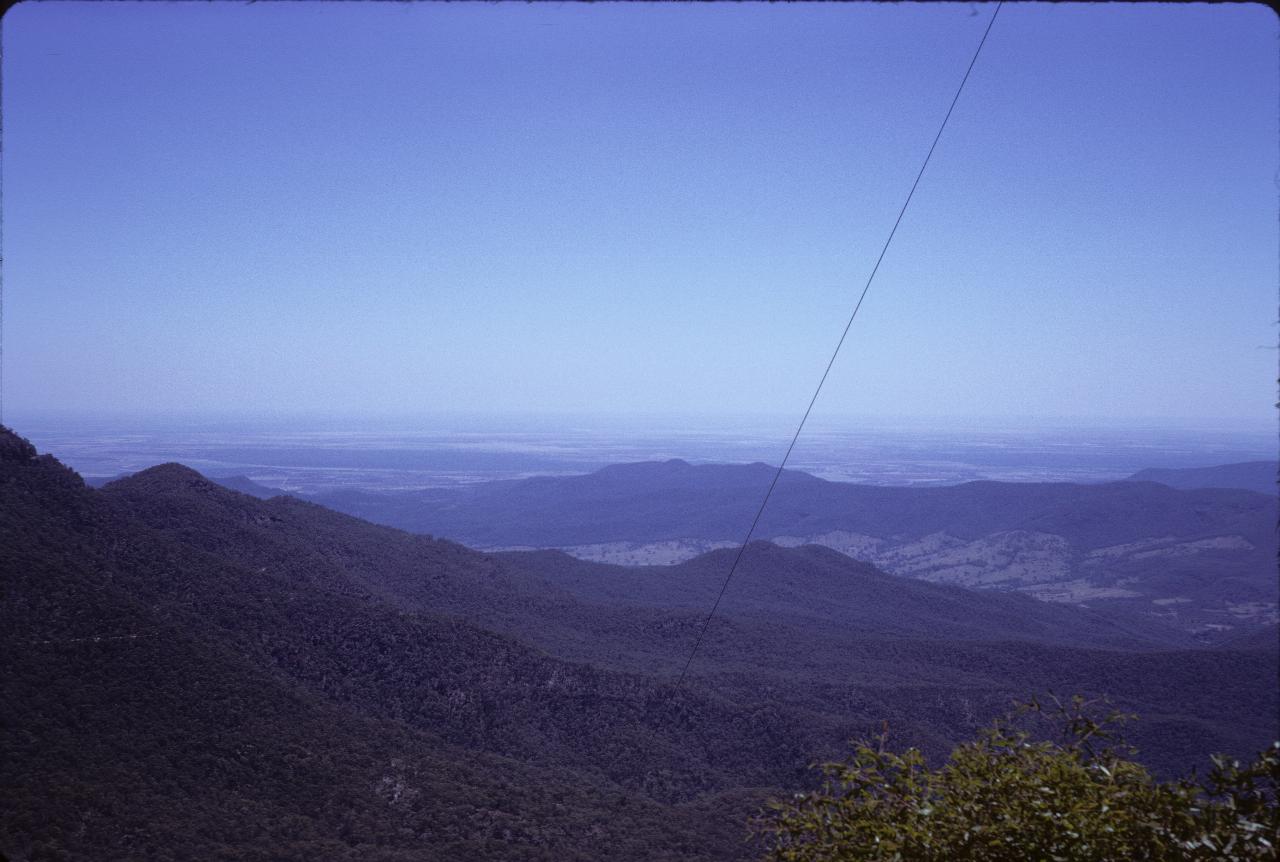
1013, 794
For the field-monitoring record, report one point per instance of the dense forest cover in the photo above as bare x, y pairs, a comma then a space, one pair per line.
194, 673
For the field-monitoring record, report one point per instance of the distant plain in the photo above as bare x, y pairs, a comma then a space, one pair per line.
318, 454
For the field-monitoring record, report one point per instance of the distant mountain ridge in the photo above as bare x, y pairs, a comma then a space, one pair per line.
1203, 558
1259, 476
653, 501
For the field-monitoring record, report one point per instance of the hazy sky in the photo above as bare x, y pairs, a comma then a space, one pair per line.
655, 208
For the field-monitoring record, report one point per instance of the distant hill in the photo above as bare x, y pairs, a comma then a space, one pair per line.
816, 585
194, 673
1259, 476
674, 500
243, 484
1202, 558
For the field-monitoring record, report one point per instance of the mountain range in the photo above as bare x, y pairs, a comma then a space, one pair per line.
196, 673
1203, 559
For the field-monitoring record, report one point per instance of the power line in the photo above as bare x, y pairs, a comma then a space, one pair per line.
755, 521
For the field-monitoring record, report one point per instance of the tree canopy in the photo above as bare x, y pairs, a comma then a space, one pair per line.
1017, 793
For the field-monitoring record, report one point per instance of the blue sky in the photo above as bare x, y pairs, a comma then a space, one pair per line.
635, 208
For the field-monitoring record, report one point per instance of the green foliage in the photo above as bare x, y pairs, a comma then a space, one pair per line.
1013, 794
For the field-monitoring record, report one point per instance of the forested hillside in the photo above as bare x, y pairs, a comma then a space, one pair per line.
193, 673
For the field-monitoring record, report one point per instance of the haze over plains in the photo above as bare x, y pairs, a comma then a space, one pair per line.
408, 208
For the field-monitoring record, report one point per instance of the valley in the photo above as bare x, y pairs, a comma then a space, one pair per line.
195, 668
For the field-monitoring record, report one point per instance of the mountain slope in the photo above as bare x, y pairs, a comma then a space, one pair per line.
320, 626
814, 584
157, 694
787, 643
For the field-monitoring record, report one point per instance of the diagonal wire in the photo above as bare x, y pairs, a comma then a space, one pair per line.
755, 521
